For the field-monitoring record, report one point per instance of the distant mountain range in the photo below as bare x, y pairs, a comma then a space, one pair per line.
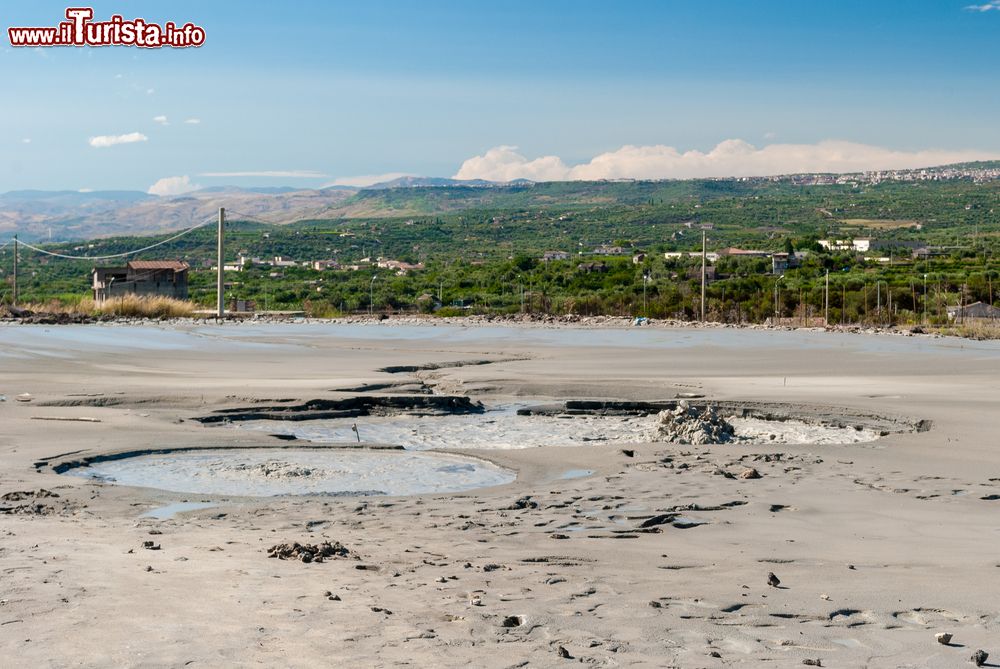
71, 215
65, 215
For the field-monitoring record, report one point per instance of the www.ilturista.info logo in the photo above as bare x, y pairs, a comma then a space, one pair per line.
80, 30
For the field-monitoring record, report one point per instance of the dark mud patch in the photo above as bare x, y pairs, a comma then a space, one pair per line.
350, 407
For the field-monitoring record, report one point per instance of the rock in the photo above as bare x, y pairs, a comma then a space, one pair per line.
307, 552
150, 546
812, 663
979, 657
773, 580
563, 653
749, 473
513, 621
943, 638
628, 452
522, 503
715, 654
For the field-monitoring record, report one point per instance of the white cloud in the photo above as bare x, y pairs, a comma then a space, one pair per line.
161, 119
730, 158
168, 186
26, 140
150, 91
985, 7
192, 121
102, 141
278, 174
363, 180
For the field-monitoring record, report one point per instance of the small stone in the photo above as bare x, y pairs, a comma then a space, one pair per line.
773, 580
327, 593
715, 654
513, 621
979, 657
563, 653
943, 638
334, 598
812, 663
749, 473
656, 605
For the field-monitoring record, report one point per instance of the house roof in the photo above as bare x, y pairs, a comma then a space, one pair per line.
176, 265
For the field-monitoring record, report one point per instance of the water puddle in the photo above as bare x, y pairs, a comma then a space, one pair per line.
168, 511
576, 473
283, 471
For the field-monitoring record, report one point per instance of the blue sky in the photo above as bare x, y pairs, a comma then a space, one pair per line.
327, 92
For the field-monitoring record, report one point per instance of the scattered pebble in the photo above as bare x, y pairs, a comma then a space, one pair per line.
979, 657
943, 638
773, 580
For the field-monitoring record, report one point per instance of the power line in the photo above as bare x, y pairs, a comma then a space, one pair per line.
115, 255
239, 216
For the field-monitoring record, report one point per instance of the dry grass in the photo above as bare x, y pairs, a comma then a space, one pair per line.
139, 306
128, 306
973, 329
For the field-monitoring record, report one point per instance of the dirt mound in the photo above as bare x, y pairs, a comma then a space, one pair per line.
688, 425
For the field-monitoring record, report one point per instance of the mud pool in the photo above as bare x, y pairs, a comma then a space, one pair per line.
502, 428
289, 471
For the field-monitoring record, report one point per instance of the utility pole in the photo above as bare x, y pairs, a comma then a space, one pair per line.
14, 298
371, 296
826, 300
645, 278
776, 297
220, 304
924, 320
702, 276
878, 301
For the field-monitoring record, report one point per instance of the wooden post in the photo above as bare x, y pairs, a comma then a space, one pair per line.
219, 296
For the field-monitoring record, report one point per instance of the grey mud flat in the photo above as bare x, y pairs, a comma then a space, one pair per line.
647, 555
